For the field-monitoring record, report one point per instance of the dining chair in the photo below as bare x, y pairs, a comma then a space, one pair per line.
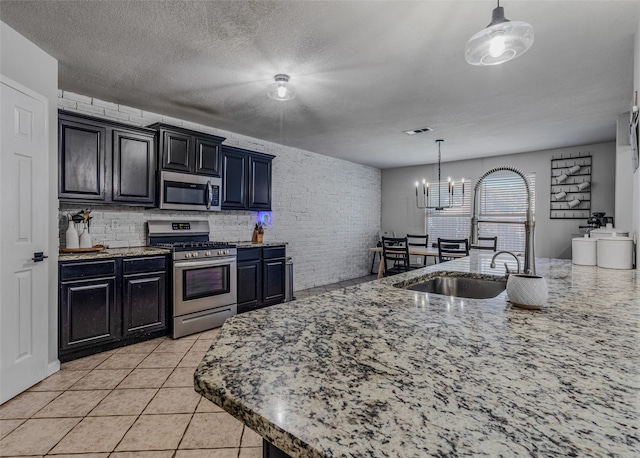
381, 234
490, 243
421, 241
395, 255
452, 246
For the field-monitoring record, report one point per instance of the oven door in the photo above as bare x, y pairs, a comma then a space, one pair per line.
203, 285
181, 191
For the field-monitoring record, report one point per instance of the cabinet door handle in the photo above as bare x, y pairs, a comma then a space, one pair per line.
38, 257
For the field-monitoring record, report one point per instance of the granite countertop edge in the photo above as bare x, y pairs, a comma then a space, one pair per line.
147, 251
247, 244
114, 253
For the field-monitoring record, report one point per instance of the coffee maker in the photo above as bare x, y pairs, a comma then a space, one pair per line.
597, 220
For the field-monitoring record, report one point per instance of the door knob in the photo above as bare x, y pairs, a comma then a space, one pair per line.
38, 257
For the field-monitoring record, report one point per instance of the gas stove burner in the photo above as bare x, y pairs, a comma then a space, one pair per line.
183, 246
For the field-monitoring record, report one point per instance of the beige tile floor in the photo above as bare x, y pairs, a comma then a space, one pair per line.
133, 402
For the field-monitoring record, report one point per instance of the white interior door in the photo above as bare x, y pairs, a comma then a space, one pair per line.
24, 188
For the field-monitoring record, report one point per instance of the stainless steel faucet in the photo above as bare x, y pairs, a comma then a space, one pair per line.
506, 267
529, 223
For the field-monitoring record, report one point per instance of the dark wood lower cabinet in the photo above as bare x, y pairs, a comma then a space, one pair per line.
110, 303
249, 285
144, 303
261, 277
273, 271
271, 451
88, 313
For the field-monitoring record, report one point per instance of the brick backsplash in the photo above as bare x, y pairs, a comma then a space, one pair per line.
327, 210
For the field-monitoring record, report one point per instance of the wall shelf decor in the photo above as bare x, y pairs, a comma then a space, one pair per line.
570, 187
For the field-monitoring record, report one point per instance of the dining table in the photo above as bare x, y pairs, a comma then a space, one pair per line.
413, 250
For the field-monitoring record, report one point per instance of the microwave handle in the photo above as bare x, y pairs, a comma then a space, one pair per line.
209, 197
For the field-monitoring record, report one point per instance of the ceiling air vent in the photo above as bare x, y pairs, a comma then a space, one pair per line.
418, 131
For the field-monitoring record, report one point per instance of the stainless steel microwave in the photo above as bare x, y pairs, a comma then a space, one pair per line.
181, 191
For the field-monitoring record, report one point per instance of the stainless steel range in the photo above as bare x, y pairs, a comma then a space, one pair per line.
204, 275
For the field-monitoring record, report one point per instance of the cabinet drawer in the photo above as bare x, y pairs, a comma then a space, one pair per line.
146, 264
82, 270
248, 254
273, 252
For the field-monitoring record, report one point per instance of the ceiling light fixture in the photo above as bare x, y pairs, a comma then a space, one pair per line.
281, 89
417, 131
451, 186
501, 41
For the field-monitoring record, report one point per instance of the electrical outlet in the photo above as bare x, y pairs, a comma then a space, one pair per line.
114, 224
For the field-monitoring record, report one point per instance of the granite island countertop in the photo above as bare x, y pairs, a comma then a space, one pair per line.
375, 370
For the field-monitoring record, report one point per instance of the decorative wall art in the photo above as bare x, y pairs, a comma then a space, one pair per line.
571, 187
633, 133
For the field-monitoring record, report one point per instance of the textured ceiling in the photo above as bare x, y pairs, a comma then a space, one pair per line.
364, 71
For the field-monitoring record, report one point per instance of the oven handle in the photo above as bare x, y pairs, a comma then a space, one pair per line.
205, 263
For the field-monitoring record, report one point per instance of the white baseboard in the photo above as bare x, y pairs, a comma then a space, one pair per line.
53, 367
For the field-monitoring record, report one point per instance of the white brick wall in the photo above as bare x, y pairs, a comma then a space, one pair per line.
326, 209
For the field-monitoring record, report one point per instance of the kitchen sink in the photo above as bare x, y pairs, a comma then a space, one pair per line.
472, 288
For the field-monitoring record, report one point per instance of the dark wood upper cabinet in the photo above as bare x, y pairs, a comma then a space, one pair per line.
246, 179
207, 157
101, 160
259, 182
134, 165
235, 179
176, 151
188, 151
81, 148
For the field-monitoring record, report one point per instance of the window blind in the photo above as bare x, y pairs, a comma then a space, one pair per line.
450, 223
502, 197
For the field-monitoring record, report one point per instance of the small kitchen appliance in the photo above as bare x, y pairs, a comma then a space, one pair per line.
183, 191
597, 220
204, 275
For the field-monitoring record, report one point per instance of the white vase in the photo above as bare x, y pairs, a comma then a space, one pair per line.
71, 236
85, 238
527, 291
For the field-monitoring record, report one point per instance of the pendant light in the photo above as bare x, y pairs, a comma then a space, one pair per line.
501, 41
451, 186
281, 89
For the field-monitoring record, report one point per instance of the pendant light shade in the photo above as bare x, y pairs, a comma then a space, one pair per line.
502, 40
281, 89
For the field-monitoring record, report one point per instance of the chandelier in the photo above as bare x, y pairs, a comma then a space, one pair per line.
423, 202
